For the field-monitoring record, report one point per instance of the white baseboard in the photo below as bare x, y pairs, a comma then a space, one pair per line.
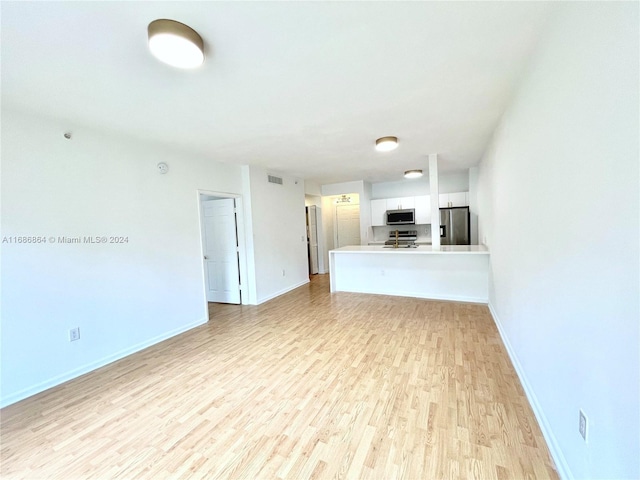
447, 298
282, 292
556, 453
426, 296
70, 375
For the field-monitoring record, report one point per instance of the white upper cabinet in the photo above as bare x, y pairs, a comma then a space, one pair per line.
378, 212
421, 203
423, 209
400, 203
458, 199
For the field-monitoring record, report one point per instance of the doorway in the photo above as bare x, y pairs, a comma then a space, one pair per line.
312, 239
222, 247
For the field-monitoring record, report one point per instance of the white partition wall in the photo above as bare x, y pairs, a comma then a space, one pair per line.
458, 273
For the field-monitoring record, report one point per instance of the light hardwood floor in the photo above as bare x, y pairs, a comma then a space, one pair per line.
308, 385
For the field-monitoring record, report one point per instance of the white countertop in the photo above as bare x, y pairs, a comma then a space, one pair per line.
420, 250
381, 242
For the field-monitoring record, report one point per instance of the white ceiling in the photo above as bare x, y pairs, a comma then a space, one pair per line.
300, 88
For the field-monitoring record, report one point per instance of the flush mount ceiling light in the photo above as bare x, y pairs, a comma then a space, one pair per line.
386, 144
175, 43
413, 174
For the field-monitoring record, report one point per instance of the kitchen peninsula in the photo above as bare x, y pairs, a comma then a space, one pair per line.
456, 272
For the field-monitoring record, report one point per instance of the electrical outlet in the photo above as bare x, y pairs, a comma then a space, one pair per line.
74, 334
583, 425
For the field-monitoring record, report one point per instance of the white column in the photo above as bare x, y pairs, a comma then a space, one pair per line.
435, 200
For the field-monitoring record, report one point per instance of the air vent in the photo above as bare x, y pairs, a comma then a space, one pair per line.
274, 179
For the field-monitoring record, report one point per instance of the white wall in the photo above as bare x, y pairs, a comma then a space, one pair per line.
328, 214
559, 207
312, 200
366, 231
312, 188
343, 188
122, 296
473, 205
279, 234
447, 183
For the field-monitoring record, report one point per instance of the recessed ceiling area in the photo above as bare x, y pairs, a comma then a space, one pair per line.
302, 88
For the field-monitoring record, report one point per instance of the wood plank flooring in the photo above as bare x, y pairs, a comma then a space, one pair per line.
308, 385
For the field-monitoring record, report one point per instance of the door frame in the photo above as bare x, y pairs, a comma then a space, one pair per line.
242, 247
317, 210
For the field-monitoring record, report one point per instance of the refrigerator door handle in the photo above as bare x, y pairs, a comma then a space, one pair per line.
443, 231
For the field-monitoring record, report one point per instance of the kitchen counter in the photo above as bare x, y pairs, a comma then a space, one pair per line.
450, 272
381, 242
420, 249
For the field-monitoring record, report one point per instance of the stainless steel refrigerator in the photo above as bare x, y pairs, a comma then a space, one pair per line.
454, 226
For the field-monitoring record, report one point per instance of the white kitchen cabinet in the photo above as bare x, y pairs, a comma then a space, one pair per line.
400, 203
423, 209
378, 212
421, 203
457, 199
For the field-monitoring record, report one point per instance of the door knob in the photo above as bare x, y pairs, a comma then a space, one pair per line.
206, 258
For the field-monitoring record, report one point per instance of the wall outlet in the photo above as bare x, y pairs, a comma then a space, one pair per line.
583, 425
74, 334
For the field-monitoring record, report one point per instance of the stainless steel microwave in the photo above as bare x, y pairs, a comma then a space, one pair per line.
401, 217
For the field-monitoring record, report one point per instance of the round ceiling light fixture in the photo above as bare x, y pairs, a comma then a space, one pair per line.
386, 144
413, 174
175, 43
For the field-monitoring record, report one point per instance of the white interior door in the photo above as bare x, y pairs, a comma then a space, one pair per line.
220, 242
313, 240
347, 225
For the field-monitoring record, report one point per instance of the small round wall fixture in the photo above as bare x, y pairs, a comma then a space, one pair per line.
413, 174
162, 168
175, 43
386, 144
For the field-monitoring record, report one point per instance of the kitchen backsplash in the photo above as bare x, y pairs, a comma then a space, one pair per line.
381, 234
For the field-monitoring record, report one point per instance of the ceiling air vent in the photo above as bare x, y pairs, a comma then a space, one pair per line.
274, 179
